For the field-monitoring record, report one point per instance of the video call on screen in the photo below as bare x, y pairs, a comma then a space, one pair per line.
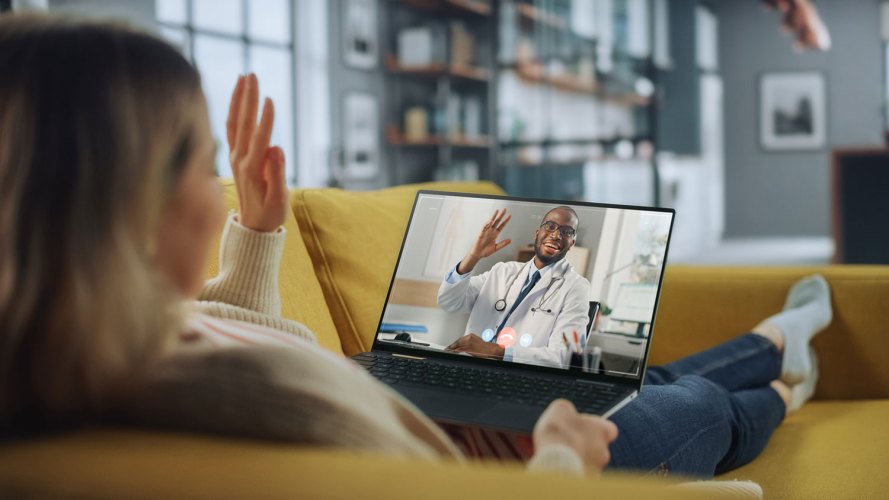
590, 309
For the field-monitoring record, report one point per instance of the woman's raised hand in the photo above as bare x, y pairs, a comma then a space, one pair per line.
257, 167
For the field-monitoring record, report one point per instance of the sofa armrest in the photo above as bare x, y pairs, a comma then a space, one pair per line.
703, 306
131, 464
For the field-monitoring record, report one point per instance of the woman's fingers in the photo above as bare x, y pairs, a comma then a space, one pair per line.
274, 176
231, 124
247, 115
259, 144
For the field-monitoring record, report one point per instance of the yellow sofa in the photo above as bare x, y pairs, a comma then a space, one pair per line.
340, 253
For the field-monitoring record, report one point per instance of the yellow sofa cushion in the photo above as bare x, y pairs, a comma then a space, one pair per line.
704, 306
301, 296
353, 239
829, 449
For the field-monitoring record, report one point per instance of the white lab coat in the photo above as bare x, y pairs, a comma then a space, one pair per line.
568, 302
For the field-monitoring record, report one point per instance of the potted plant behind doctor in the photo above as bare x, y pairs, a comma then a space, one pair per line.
555, 236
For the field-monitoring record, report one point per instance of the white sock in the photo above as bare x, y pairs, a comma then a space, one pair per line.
806, 312
802, 392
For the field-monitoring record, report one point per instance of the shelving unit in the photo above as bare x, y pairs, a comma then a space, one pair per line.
555, 69
445, 143
538, 139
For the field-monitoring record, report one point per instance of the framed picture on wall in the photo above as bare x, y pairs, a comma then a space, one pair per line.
360, 33
360, 135
793, 111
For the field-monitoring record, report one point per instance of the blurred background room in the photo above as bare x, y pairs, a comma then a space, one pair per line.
763, 123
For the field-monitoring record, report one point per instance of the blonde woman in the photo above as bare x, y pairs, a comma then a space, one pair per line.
108, 208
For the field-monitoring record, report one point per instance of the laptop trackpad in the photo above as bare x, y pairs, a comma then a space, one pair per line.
445, 405
474, 410
510, 416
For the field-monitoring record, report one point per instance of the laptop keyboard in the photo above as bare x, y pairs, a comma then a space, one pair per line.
588, 397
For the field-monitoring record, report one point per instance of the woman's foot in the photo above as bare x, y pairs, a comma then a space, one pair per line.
803, 391
806, 312
795, 397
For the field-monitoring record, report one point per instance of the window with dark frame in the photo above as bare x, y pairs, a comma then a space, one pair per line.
227, 38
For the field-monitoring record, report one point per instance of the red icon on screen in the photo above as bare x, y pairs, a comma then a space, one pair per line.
506, 337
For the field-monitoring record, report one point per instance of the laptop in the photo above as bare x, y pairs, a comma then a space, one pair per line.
582, 330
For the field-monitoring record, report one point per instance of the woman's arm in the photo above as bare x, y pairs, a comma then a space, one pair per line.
249, 262
252, 243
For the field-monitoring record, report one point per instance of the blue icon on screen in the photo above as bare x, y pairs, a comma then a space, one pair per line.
487, 335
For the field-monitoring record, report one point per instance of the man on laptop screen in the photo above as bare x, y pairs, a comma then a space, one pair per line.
527, 312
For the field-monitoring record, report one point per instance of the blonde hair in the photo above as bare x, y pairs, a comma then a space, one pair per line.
97, 122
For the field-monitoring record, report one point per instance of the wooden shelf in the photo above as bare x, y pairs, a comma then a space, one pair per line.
533, 14
435, 70
395, 138
473, 7
577, 141
569, 163
533, 72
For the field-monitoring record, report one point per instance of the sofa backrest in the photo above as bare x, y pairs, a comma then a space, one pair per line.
301, 296
353, 239
703, 306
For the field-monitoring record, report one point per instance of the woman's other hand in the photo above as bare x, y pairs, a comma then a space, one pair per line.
257, 167
588, 435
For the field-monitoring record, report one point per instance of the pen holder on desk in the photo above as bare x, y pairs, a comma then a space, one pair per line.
589, 361
575, 362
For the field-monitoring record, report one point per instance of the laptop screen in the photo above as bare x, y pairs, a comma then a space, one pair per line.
566, 286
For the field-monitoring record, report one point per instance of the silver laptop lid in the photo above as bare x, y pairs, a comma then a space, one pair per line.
590, 312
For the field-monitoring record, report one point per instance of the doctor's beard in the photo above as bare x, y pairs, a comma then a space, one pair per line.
545, 259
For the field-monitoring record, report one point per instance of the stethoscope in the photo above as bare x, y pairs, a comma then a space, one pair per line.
500, 305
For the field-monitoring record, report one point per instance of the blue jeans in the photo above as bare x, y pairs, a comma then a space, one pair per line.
705, 414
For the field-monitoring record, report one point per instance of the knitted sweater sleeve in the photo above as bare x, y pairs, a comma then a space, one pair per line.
246, 288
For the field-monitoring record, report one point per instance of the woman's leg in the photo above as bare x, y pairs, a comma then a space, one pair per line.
778, 343
745, 362
695, 427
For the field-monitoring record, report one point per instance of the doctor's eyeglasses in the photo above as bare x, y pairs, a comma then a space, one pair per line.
564, 231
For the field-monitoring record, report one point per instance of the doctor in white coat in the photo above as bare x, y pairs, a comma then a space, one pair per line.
519, 311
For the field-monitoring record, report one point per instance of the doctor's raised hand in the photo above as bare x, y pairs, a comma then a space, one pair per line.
258, 168
486, 243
